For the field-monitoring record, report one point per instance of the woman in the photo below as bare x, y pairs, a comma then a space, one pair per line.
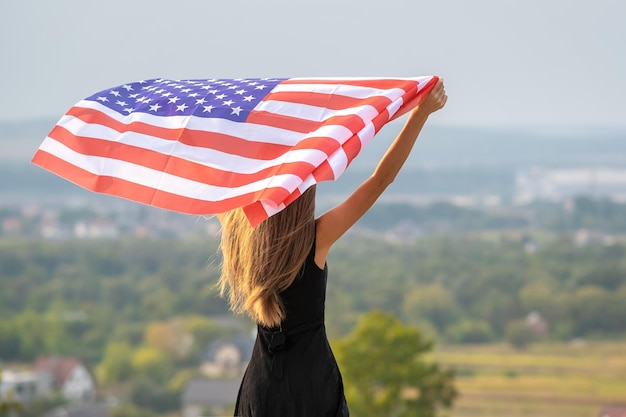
276, 273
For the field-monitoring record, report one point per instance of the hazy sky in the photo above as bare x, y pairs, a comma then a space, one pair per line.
505, 62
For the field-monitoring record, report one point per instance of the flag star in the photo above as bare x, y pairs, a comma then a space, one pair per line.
182, 107
127, 87
236, 110
208, 109
142, 81
228, 102
240, 92
194, 95
133, 95
185, 90
115, 93
128, 110
160, 91
221, 96
232, 87
142, 99
173, 100
121, 103
253, 83
248, 98
260, 87
200, 101
155, 107
103, 99
166, 94
206, 87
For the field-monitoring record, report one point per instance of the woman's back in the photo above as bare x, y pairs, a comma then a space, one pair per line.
292, 371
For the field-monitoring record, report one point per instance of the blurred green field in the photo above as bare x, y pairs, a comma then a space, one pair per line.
544, 380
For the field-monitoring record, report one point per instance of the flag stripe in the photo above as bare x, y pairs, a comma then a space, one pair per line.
323, 100
359, 93
374, 83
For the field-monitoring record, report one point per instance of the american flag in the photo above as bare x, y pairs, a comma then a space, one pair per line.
208, 146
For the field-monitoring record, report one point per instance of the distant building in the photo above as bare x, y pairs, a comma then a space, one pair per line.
585, 237
537, 324
557, 184
203, 397
80, 410
24, 386
227, 357
96, 229
68, 375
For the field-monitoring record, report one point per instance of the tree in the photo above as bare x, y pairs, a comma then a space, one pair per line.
433, 303
152, 363
518, 334
470, 331
385, 372
116, 364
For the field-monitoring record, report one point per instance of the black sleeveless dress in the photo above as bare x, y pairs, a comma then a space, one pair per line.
292, 371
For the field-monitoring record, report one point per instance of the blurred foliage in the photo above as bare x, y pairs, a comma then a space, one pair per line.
143, 309
385, 373
76, 297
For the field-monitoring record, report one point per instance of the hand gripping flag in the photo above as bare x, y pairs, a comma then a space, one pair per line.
209, 146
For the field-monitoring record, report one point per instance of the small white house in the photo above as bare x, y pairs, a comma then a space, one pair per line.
227, 357
203, 397
24, 386
68, 375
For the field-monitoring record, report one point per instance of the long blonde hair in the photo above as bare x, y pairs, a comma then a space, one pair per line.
261, 262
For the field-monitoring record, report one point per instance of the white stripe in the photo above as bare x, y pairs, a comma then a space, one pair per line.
394, 106
338, 89
423, 78
151, 178
366, 134
314, 113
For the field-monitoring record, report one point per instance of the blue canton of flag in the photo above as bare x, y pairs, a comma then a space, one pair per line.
231, 99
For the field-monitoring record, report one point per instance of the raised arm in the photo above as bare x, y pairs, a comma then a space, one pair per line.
335, 222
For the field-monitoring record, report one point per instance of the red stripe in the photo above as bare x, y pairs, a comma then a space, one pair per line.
255, 213
383, 84
328, 101
172, 164
324, 172
294, 124
210, 140
352, 122
147, 195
